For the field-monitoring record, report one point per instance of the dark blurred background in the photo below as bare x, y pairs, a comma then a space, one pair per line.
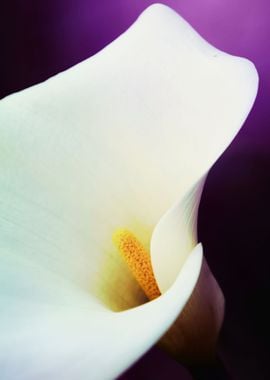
41, 38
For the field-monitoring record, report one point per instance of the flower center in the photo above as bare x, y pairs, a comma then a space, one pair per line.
138, 261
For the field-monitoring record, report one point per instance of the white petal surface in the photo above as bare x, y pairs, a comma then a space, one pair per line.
115, 141
86, 341
174, 237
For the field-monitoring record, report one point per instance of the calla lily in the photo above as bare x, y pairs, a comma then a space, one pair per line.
122, 140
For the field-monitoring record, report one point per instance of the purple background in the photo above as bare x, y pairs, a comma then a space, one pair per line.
41, 38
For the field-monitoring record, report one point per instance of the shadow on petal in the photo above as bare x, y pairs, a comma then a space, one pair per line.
192, 338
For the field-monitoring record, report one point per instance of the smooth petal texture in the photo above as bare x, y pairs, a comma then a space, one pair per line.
175, 236
58, 341
115, 141
193, 337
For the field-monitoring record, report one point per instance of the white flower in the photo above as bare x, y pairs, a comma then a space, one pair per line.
124, 139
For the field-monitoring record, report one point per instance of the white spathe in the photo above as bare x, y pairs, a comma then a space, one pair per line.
115, 141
